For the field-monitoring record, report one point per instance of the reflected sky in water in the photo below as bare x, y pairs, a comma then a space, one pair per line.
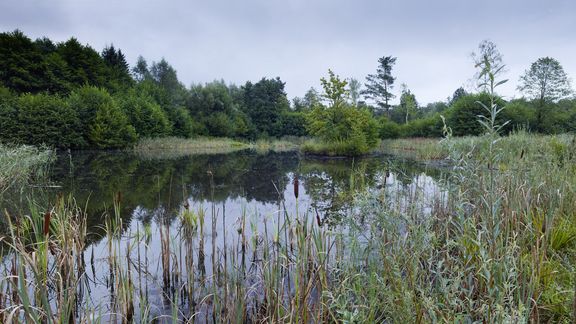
258, 189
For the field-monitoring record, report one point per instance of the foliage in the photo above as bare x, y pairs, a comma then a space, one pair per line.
311, 99
340, 127
545, 81
107, 126
379, 86
487, 54
182, 123
462, 117
22, 163
264, 102
424, 127
387, 129
292, 124
213, 106
157, 104
521, 114
21, 64
145, 115
39, 119
119, 70
458, 93
408, 104
354, 88
49, 120
173, 93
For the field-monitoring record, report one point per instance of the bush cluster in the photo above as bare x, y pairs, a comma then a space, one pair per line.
462, 118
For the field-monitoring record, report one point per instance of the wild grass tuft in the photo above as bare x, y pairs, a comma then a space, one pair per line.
22, 163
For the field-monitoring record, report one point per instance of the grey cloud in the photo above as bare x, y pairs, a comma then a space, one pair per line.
299, 40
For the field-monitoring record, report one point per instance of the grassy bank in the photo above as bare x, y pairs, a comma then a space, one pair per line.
438, 149
417, 148
347, 148
499, 247
21, 163
172, 147
496, 244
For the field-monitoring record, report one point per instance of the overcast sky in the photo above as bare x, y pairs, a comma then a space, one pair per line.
240, 40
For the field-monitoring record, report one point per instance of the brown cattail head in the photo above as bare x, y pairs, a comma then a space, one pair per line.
522, 154
118, 198
296, 186
47, 217
318, 221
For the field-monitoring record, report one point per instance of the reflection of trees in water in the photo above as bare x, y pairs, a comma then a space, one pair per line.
331, 184
162, 185
153, 189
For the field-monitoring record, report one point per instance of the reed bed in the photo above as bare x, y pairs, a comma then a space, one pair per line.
22, 163
174, 147
496, 242
169, 146
416, 148
286, 144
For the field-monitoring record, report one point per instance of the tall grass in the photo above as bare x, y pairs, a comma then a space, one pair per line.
497, 243
167, 146
500, 248
174, 147
416, 148
21, 163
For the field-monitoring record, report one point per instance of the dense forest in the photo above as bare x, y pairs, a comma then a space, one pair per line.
68, 95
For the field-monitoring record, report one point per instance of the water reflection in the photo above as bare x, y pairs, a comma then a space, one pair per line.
242, 190
241, 180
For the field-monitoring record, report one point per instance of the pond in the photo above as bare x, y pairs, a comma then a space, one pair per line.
239, 196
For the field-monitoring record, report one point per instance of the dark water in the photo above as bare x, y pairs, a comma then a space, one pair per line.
227, 186
233, 182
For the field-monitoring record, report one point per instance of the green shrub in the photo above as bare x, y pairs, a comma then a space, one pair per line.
350, 147
340, 128
291, 124
520, 114
145, 115
219, 124
462, 117
557, 118
8, 116
182, 124
426, 127
388, 129
39, 119
106, 125
45, 119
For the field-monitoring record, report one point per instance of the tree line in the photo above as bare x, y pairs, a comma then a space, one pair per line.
547, 106
69, 95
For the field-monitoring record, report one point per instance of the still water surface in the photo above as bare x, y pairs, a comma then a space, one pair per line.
228, 187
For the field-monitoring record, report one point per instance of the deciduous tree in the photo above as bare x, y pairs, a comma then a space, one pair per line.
545, 81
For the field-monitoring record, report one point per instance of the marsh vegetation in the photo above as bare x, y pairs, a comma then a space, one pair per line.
154, 202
